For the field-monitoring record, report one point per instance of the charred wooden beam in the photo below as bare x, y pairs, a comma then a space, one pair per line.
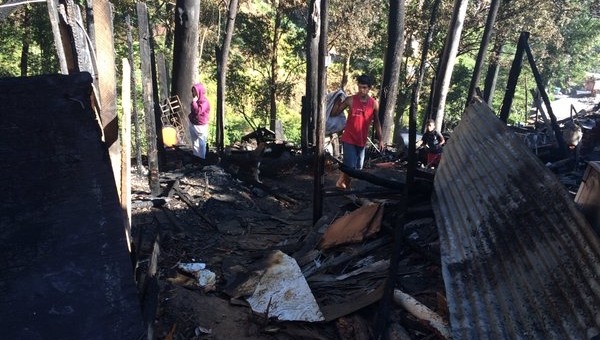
562, 146
319, 168
392, 184
186, 198
151, 137
513, 76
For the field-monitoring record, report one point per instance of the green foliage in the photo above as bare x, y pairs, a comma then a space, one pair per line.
28, 23
522, 98
565, 39
266, 54
579, 51
246, 88
457, 94
357, 29
10, 49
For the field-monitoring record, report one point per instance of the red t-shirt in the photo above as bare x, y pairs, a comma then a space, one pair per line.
359, 121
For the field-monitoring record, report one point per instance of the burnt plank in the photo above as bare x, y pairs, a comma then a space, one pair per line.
66, 272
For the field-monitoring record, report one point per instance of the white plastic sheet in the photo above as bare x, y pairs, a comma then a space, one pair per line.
284, 293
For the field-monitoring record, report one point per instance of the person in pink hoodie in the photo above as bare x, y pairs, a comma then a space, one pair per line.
199, 116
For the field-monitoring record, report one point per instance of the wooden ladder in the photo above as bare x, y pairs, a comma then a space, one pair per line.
173, 115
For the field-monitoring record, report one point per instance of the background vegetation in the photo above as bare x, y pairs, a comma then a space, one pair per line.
565, 39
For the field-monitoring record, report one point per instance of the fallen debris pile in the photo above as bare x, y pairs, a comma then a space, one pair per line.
272, 266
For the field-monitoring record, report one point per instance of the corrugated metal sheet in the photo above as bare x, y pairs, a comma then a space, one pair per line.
519, 260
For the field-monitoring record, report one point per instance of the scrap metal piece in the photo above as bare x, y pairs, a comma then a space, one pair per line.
354, 226
518, 259
283, 293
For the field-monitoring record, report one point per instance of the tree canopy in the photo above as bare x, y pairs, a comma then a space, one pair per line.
265, 78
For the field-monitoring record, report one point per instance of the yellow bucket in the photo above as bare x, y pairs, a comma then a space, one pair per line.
169, 135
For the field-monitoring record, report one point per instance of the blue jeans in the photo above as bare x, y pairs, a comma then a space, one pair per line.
354, 156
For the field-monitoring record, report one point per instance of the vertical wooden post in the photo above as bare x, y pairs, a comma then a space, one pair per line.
54, 23
126, 149
107, 81
136, 118
311, 100
319, 170
81, 52
144, 39
160, 150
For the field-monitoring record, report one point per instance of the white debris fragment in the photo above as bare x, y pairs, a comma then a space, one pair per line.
284, 293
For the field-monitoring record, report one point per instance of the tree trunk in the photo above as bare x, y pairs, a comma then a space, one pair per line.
492, 75
185, 53
391, 72
26, 40
487, 33
344, 81
414, 104
447, 61
222, 57
402, 102
169, 33
202, 40
274, 71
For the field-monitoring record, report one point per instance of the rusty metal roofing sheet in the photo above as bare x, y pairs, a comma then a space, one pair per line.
519, 260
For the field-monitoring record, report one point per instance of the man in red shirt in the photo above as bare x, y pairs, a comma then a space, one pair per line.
364, 109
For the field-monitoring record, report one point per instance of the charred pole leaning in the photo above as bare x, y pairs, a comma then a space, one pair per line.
562, 146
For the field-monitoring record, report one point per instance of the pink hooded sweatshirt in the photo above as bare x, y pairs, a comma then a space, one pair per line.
200, 109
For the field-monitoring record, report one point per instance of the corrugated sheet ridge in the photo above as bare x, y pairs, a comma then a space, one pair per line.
524, 265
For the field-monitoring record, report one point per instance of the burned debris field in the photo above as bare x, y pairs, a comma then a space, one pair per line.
489, 237
499, 241
241, 230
